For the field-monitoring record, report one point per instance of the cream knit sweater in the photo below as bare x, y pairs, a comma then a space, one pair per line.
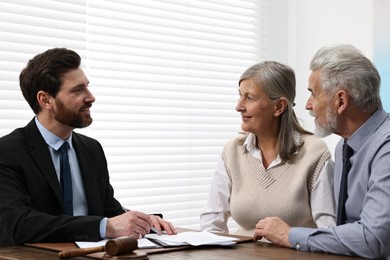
283, 190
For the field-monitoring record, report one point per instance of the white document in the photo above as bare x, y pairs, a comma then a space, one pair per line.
146, 243
143, 243
193, 238
184, 238
82, 244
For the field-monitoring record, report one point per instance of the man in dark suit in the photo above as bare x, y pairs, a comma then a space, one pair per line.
36, 204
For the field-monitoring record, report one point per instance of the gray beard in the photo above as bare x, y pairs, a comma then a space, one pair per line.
328, 129
322, 131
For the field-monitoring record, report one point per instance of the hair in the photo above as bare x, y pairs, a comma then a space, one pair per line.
278, 80
44, 73
343, 67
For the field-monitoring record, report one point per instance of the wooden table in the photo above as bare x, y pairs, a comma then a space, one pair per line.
247, 251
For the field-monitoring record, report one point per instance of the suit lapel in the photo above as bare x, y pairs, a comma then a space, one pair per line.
40, 153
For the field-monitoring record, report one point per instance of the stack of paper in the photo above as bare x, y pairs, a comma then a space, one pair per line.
143, 243
181, 239
192, 238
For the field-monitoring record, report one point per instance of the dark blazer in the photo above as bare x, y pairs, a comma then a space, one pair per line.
31, 204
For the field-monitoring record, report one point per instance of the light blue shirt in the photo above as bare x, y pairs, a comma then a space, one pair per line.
80, 206
368, 205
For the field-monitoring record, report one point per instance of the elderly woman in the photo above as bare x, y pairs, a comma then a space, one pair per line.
275, 167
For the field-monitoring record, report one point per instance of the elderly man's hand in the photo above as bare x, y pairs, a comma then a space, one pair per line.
274, 229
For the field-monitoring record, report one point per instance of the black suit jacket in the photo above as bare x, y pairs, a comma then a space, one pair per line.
31, 204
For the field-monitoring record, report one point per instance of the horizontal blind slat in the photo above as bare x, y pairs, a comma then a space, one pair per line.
164, 74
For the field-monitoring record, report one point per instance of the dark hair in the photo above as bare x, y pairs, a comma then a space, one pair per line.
44, 72
278, 80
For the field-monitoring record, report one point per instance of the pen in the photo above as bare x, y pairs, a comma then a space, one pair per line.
154, 230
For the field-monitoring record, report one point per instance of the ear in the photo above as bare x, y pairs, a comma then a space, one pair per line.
44, 99
341, 101
280, 106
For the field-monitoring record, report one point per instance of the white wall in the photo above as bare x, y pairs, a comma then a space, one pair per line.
309, 25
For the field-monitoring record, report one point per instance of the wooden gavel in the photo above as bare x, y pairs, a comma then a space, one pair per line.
113, 247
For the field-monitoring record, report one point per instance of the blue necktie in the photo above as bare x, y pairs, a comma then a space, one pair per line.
66, 179
343, 195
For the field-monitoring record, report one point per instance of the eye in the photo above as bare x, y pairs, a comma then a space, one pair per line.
78, 89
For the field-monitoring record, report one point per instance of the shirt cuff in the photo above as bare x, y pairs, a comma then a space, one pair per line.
103, 227
298, 238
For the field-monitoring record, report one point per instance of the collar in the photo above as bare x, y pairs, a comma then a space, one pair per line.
251, 147
367, 129
51, 139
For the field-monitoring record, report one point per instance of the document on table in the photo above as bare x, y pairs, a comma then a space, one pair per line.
193, 238
181, 239
143, 243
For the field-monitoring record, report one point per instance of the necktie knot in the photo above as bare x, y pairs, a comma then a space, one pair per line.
347, 151
64, 147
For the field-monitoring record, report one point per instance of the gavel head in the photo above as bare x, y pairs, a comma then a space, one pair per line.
121, 245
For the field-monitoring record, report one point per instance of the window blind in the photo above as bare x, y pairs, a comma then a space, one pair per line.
164, 75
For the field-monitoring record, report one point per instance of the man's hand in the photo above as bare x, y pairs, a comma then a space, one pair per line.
131, 223
160, 224
274, 229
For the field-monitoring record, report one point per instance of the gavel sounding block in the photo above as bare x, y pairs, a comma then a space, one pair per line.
136, 254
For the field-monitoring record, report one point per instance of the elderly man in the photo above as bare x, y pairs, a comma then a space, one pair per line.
345, 100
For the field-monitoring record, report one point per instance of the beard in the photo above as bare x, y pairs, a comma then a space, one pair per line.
71, 118
329, 126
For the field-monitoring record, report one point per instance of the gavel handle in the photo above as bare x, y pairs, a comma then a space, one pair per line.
80, 251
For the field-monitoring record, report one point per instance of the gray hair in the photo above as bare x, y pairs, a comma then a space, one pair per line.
345, 67
278, 80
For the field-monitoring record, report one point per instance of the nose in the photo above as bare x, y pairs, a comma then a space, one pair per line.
308, 105
239, 107
89, 98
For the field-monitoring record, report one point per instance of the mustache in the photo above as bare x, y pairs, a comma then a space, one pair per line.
312, 113
88, 105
